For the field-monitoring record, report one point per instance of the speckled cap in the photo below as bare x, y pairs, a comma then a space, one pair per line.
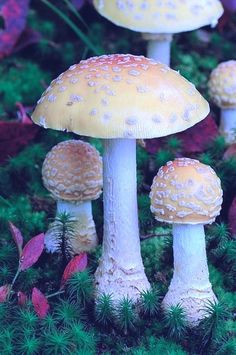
160, 16
120, 96
222, 84
185, 191
72, 171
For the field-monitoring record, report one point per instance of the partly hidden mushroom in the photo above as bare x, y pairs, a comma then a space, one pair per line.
188, 194
158, 20
120, 98
72, 172
222, 89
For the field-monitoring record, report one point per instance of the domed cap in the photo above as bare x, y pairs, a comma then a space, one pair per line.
222, 84
184, 191
72, 171
120, 96
160, 16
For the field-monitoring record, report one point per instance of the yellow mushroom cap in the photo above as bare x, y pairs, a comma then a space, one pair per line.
120, 96
72, 171
185, 191
160, 16
222, 84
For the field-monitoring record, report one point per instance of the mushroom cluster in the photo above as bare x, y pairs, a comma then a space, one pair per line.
222, 89
72, 172
158, 20
120, 98
187, 194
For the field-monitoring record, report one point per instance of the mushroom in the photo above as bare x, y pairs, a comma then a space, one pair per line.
188, 195
222, 89
72, 172
120, 98
158, 20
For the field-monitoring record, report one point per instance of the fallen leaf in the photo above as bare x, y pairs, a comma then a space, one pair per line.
31, 252
13, 13
22, 298
4, 293
40, 303
17, 236
232, 217
78, 263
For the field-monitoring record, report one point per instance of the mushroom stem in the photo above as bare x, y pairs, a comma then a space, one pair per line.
120, 271
190, 285
228, 124
84, 236
159, 47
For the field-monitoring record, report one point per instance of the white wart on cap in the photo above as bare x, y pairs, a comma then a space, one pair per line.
120, 96
161, 16
222, 85
186, 191
72, 171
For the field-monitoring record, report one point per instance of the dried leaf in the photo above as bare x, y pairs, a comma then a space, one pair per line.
4, 293
14, 14
40, 303
78, 263
17, 236
31, 252
22, 298
14, 136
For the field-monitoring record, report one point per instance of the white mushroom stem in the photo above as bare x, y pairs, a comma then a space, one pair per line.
228, 124
84, 236
190, 286
120, 271
159, 47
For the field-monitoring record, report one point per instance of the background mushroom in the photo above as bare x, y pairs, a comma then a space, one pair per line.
72, 172
158, 20
222, 89
120, 98
188, 195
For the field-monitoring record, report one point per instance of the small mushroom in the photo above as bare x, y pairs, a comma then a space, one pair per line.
222, 89
120, 98
188, 195
72, 172
158, 20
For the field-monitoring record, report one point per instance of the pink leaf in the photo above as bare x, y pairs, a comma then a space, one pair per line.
31, 252
22, 298
17, 236
78, 263
4, 293
40, 303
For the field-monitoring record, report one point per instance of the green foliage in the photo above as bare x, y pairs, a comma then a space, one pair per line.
67, 312
175, 323
62, 230
154, 346
57, 342
104, 310
150, 303
20, 81
80, 287
126, 316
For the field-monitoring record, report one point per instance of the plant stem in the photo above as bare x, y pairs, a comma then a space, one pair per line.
56, 293
71, 24
72, 8
12, 284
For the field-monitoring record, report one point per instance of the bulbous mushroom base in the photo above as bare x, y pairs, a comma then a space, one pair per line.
192, 301
120, 282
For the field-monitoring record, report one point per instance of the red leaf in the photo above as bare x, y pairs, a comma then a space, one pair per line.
232, 217
78, 263
31, 252
22, 298
14, 13
230, 152
194, 139
40, 303
17, 236
4, 293
14, 136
